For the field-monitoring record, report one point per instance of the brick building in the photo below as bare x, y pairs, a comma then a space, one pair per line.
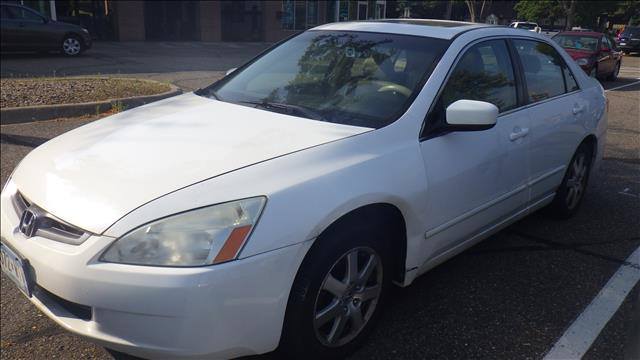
237, 20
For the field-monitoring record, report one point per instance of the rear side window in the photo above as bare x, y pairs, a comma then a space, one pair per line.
543, 69
484, 73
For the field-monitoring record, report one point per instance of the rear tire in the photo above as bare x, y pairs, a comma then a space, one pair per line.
574, 185
307, 333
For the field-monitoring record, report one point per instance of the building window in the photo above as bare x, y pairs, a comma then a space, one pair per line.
312, 13
343, 14
363, 10
299, 15
381, 9
331, 11
287, 14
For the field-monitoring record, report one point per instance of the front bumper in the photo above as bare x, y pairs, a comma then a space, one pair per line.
223, 311
630, 47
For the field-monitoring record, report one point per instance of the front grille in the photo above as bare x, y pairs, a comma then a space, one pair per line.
82, 312
47, 225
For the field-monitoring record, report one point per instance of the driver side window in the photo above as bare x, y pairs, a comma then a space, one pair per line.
483, 73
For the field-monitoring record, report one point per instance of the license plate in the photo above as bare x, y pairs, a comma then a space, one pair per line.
623, 44
15, 268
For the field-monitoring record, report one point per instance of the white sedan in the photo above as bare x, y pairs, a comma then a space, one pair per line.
276, 207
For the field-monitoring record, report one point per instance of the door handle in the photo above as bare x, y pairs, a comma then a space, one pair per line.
577, 109
518, 133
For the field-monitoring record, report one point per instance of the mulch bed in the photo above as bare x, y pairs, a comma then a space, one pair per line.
55, 91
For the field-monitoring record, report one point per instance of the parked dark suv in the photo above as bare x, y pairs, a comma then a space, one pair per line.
24, 29
629, 39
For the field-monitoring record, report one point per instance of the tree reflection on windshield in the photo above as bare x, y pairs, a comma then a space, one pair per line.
355, 78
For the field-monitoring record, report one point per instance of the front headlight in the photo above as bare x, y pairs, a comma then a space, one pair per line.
203, 236
583, 61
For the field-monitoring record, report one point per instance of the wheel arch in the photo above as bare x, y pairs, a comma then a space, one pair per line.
74, 34
592, 141
384, 214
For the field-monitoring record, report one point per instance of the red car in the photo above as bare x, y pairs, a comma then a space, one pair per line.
593, 51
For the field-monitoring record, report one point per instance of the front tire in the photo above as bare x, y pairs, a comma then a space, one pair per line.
337, 295
572, 189
72, 45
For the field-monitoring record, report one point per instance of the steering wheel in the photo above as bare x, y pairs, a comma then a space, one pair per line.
387, 86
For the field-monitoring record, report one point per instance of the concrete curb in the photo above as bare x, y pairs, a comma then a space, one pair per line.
17, 115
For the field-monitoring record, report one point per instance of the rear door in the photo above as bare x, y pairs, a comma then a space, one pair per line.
555, 109
475, 179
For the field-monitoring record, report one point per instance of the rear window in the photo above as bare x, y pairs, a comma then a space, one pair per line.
577, 42
527, 26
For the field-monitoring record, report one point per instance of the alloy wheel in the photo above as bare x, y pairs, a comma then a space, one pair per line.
348, 296
71, 46
577, 181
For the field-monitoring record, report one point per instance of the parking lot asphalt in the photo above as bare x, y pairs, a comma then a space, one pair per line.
510, 297
188, 65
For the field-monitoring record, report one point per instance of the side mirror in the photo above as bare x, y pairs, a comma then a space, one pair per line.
471, 115
230, 71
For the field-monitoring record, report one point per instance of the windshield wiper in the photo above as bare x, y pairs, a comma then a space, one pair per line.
288, 109
210, 93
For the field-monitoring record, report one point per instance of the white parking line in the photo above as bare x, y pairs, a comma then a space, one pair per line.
623, 86
578, 338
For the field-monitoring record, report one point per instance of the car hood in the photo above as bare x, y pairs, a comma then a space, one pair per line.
579, 54
94, 175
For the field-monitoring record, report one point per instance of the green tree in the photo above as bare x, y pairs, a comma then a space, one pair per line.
539, 10
584, 13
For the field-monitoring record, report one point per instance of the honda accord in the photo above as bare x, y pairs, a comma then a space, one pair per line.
275, 208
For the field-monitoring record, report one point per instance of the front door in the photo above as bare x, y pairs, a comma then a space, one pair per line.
476, 179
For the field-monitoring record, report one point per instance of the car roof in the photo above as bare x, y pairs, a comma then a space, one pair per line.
583, 33
443, 29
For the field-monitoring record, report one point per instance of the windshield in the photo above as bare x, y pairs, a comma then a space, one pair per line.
354, 78
526, 26
577, 42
